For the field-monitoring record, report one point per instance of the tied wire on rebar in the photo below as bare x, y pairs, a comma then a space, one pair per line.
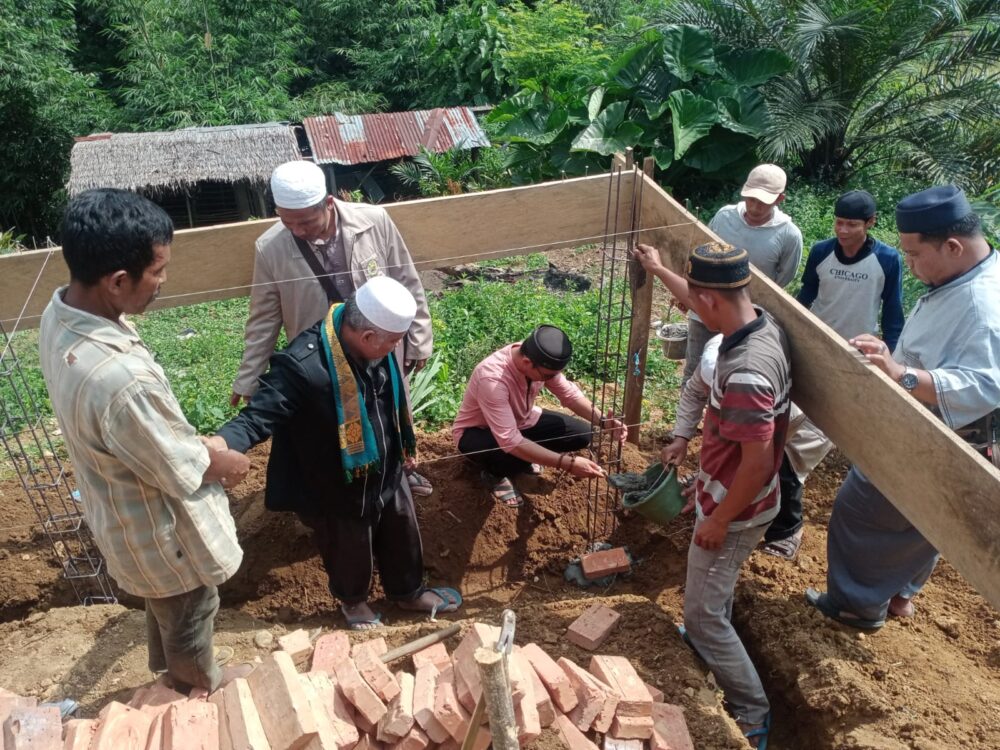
611, 350
30, 449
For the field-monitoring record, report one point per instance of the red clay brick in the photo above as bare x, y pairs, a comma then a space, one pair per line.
415, 739
122, 728
368, 743
424, 684
79, 734
520, 671
282, 703
552, 676
329, 735
191, 725
9, 701
337, 708
435, 654
467, 686
610, 743
154, 699
591, 629
330, 648
377, 645
633, 697
297, 645
670, 730
376, 674
398, 719
654, 692
631, 727
604, 563
447, 708
572, 737
369, 707
543, 703
597, 701
33, 728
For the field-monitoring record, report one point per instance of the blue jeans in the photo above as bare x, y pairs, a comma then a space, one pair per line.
179, 632
708, 609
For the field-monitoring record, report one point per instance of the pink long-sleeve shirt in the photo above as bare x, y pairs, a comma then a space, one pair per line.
501, 398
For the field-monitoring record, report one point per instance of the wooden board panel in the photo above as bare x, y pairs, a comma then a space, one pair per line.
217, 262
939, 483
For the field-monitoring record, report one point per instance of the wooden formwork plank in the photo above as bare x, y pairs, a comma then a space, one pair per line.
945, 489
214, 263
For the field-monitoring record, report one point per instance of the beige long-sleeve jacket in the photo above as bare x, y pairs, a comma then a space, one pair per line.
286, 293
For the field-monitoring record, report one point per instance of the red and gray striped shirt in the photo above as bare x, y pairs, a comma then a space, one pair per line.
749, 402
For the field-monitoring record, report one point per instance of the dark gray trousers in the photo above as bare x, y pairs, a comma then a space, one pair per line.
179, 633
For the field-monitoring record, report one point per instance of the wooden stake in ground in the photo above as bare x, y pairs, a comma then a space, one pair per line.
499, 706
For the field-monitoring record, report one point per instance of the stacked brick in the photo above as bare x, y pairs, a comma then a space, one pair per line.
330, 696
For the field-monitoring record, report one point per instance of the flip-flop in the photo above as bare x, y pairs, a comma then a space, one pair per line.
821, 601
761, 732
419, 484
787, 548
362, 623
451, 600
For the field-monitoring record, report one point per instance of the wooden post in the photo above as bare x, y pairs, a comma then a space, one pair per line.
641, 284
499, 704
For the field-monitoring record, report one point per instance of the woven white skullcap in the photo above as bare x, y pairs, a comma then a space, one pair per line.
298, 184
387, 304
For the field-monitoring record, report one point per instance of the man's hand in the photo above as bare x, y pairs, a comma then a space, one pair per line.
214, 442
711, 533
649, 257
228, 467
688, 493
583, 467
410, 464
234, 399
675, 453
617, 428
877, 352
413, 365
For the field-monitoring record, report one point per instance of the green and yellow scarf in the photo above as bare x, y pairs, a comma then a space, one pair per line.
358, 450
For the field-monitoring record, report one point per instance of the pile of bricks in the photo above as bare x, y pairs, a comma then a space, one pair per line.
334, 696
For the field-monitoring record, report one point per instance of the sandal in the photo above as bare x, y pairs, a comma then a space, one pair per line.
362, 623
450, 598
503, 491
821, 601
760, 732
419, 484
787, 548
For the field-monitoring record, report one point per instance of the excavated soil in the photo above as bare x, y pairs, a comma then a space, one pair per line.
929, 682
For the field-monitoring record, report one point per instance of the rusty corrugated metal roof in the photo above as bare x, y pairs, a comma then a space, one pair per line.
358, 139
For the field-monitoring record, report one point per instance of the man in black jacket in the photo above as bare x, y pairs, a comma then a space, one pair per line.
333, 404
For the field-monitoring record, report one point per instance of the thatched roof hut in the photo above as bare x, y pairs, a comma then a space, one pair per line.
156, 163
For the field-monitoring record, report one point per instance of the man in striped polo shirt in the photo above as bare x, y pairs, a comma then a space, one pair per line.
743, 443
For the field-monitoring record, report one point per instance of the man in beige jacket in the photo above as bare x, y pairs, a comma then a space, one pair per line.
320, 252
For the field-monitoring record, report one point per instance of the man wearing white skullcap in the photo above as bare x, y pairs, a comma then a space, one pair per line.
321, 251
333, 405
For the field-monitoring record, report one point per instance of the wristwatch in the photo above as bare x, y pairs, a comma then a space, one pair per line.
909, 379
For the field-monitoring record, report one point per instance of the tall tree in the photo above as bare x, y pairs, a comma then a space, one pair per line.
877, 83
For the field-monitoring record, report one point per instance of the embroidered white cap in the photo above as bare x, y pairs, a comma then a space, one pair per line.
765, 183
298, 184
387, 304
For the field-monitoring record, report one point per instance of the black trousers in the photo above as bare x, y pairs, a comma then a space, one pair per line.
350, 546
557, 432
789, 518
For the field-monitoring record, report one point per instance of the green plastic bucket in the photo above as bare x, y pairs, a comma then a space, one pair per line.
663, 501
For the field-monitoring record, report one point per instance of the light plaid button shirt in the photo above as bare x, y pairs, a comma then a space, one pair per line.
137, 461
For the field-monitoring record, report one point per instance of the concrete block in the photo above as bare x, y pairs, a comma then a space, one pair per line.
336, 707
376, 674
369, 708
552, 676
654, 692
377, 645
618, 673
435, 654
605, 563
122, 728
33, 728
240, 727
329, 649
670, 730
191, 725
415, 739
596, 702
572, 737
398, 719
297, 645
284, 709
467, 684
591, 629
330, 737
424, 684
631, 727
78, 734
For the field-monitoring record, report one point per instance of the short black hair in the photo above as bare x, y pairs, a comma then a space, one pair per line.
107, 230
969, 225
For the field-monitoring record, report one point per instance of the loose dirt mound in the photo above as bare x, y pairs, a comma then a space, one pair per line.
926, 683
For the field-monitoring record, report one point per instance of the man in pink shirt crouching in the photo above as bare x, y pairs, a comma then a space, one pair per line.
500, 428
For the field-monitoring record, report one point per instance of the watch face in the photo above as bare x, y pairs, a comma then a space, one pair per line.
909, 380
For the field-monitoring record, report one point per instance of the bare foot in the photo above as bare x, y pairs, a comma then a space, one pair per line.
361, 616
900, 607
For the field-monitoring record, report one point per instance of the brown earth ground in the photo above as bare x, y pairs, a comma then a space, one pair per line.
930, 682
